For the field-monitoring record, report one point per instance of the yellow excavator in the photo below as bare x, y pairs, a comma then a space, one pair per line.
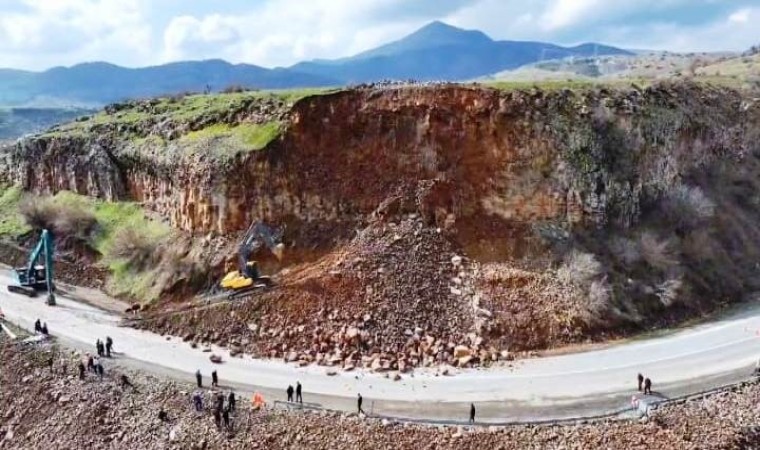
248, 277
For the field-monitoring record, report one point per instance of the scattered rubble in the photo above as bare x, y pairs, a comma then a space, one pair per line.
60, 411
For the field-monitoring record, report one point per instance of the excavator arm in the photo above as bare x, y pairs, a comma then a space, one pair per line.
258, 234
247, 277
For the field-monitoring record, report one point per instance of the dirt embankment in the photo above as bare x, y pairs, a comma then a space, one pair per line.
452, 224
40, 409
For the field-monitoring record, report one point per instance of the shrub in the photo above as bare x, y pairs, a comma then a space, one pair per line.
598, 301
65, 220
235, 89
656, 252
579, 268
625, 250
38, 213
135, 248
688, 208
668, 291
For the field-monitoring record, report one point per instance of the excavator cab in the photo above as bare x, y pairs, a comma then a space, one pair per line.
37, 277
248, 276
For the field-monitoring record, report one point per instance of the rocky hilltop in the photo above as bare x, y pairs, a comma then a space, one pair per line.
435, 224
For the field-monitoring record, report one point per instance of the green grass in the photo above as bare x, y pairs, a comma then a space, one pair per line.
12, 225
573, 84
544, 84
125, 281
191, 108
111, 218
229, 140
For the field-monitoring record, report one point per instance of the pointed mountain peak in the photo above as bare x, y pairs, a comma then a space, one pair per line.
435, 34
439, 33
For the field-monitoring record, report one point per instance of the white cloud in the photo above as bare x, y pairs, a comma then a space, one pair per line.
741, 16
47, 32
563, 13
41, 33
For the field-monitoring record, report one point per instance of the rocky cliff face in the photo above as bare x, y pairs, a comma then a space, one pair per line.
500, 160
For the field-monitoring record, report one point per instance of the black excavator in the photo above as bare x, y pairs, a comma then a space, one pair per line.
248, 277
36, 277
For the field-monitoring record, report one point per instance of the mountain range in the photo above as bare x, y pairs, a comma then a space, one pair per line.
435, 52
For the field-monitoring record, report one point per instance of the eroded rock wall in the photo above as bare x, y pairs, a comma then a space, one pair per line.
499, 160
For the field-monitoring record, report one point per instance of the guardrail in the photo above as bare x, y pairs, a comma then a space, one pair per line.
626, 413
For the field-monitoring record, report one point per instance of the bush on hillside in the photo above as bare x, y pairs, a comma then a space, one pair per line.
64, 220
235, 89
688, 208
137, 248
658, 253
579, 268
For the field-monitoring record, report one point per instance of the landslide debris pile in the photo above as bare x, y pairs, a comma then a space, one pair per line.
39, 409
397, 296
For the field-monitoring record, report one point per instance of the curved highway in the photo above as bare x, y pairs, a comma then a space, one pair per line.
556, 387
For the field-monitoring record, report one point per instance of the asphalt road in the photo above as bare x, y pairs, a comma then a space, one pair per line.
556, 387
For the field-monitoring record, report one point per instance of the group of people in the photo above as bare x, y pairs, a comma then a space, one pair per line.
298, 392
645, 384
222, 411
199, 378
41, 328
93, 364
104, 349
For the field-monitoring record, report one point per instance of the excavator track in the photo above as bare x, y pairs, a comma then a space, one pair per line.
241, 292
29, 292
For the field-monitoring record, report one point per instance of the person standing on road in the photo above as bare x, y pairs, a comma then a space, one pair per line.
214, 379
359, 401
90, 363
37, 326
44, 329
472, 413
81, 370
99, 347
647, 386
299, 397
641, 381
100, 371
289, 391
199, 378
109, 346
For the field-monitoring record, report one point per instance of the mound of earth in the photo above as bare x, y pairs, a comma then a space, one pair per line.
397, 296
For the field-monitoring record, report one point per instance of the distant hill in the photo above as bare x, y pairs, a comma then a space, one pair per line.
16, 122
95, 84
434, 52
442, 52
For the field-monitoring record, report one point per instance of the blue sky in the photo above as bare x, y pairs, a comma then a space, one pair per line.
36, 34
